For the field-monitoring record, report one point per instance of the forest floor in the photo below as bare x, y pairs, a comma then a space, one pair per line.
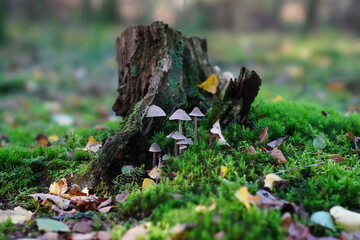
63, 101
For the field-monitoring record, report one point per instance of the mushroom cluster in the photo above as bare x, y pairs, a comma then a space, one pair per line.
181, 141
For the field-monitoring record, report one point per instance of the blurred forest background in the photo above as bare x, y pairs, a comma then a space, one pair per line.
58, 57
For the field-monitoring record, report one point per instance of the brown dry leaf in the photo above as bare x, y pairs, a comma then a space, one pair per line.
179, 231
122, 196
297, 231
137, 232
155, 173
336, 158
59, 188
106, 209
276, 142
271, 179
18, 216
278, 156
263, 135
211, 84
76, 192
62, 212
286, 220
42, 140
251, 150
147, 183
105, 203
83, 226
59, 201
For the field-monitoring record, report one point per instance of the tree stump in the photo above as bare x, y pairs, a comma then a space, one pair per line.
158, 65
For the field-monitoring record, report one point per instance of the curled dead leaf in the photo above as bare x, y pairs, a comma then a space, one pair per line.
210, 85
271, 180
278, 156
59, 188
336, 158
263, 135
223, 171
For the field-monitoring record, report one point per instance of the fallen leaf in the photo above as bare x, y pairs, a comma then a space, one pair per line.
92, 145
76, 192
323, 219
243, 195
18, 216
297, 231
102, 127
271, 180
82, 236
276, 142
223, 171
286, 220
59, 201
251, 150
277, 155
336, 158
137, 232
86, 205
122, 196
263, 135
49, 236
105, 209
53, 138
147, 183
49, 225
59, 188
278, 99
203, 208
43, 140
211, 84
105, 203
155, 173
61, 212
319, 142
179, 231
83, 226
219, 235
349, 220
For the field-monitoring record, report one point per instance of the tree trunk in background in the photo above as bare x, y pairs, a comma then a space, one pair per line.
312, 10
158, 65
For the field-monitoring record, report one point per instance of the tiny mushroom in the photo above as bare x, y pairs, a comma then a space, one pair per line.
154, 148
153, 111
196, 113
182, 144
180, 115
176, 136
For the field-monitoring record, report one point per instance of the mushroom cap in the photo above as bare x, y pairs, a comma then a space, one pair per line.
154, 147
176, 135
180, 115
182, 147
227, 76
155, 111
216, 128
186, 141
196, 112
165, 157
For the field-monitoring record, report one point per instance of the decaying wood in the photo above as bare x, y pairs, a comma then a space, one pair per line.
158, 65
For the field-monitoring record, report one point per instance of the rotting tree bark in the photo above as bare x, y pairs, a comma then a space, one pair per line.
158, 65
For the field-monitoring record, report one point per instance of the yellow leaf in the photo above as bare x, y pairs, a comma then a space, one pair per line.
203, 208
147, 183
59, 188
18, 215
223, 171
53, 138
92, 145
349, 220
243, 195
155, 173
271, 179
210, 85
278, 99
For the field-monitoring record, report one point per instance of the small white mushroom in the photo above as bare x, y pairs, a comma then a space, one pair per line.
154, 148
180, 115
176, 136
153, 111
196, 113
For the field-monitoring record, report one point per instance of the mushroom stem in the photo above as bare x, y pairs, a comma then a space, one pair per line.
154, 159
176, 149
157, 175
180, 127
196, 129
148, 127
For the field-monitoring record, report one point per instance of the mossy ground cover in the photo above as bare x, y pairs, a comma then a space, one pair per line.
197, 173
